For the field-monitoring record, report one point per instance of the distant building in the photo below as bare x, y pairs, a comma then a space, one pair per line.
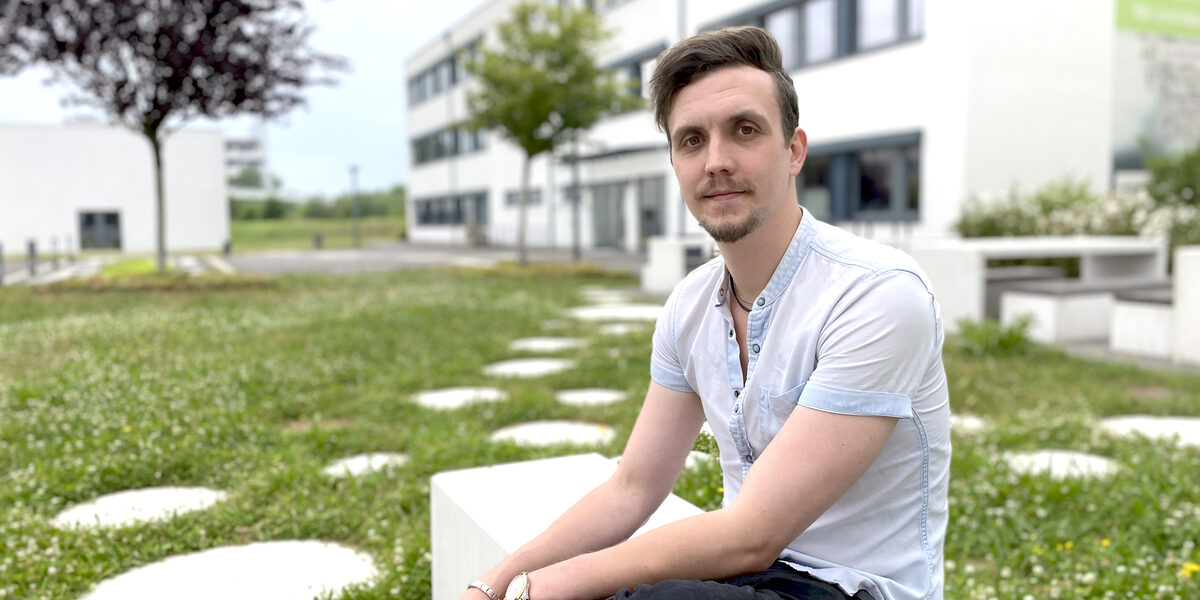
908, 112
91, 186
247, 154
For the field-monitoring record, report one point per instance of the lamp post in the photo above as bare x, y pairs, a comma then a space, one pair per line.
354, 206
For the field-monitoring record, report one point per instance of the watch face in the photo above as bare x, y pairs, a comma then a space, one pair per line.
516, 587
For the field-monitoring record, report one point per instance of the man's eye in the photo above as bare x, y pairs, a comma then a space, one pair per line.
745, 130
691, 140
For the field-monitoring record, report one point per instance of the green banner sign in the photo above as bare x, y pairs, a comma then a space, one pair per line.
1164, 17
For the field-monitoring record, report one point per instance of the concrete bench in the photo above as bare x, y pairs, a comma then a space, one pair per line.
1142, 323
477, 516
958, 267
1069, 310
1002, 279
669, 259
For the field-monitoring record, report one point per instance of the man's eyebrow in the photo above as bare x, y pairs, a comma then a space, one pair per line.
749, 115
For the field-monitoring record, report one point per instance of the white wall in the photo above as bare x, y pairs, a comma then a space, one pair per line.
50, 173
1041, 93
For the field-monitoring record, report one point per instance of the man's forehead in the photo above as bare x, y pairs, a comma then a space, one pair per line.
728, 90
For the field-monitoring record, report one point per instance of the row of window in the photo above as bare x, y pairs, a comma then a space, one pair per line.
453, 141
815, 31
513, 198
877, 180
455, 209
442, 75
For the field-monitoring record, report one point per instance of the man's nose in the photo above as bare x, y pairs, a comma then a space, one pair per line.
720, 158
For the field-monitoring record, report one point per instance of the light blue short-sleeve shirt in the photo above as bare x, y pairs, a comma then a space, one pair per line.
845, 325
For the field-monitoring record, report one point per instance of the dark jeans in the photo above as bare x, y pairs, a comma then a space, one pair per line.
779, 582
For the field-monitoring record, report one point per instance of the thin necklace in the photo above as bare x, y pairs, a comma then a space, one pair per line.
746, 307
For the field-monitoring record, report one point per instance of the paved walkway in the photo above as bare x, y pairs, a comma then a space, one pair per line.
403, 255
388, 257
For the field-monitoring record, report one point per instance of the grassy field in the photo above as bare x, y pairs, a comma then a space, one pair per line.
255, 391
274, 234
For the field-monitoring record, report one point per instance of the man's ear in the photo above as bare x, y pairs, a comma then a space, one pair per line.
799, 150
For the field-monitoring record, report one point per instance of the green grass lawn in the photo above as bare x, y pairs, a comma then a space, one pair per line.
255, 391
276, 234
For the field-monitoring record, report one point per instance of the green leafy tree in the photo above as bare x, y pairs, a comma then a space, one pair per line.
152, 65
247, 177
542, 85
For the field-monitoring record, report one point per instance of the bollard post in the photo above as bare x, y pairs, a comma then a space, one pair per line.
54, 251
32, 256
317, 241
227, 249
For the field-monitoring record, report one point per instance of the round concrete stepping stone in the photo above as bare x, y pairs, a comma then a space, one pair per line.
363, 464
617, 312
696, 458
138, 506
967, 424
549, 433
546, 344
291, 570
458, 397
528, 367
621, 328
1061, 464
590, 397
1184, 430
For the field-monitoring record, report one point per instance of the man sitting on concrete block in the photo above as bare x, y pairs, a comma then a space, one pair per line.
815, 356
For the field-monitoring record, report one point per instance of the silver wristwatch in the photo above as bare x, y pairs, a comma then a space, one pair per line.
518, 588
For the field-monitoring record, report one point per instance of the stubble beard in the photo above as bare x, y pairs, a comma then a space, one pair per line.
728, 232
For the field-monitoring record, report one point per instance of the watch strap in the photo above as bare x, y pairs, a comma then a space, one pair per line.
483, 587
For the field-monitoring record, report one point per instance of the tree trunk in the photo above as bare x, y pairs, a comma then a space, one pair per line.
160, 240
522, 212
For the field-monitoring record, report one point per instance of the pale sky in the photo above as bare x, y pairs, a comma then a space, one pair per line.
360, 121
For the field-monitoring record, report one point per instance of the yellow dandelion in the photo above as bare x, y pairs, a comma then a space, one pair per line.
1069, 544
1106, 542
1188, 569
127, 429
1038, 550
720, 490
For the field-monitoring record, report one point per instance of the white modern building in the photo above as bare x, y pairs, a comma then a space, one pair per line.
82, 186
911, 107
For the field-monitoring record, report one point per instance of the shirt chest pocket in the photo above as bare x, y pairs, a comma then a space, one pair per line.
775, 408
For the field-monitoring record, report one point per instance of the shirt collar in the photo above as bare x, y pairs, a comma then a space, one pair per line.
784, 272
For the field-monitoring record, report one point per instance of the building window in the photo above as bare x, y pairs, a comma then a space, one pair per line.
445, 143
868, 180
784, 26
635, 70
916, 18
820, 31
877, 23
456, 209
513, 198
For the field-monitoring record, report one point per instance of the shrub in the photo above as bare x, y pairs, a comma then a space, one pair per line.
1175, 178
991, 338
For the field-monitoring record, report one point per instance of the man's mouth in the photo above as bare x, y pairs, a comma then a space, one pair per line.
720, 195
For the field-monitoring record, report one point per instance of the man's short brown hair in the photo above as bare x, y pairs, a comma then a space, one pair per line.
706, 52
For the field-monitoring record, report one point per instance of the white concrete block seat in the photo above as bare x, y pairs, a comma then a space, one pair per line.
1070, 310
1002, 278
477, 517
1142, 323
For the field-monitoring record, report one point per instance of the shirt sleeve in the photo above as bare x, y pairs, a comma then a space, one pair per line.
665, 366
876, 348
